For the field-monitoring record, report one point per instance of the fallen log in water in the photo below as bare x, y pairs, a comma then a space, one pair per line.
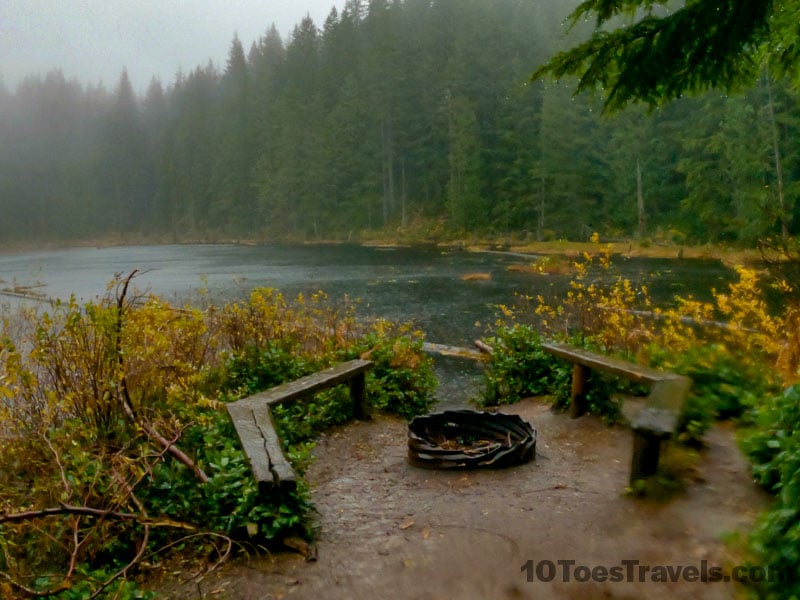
483, 347
25, 293
476, 277
457, 351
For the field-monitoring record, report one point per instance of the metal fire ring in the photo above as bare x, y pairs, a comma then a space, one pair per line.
468, 439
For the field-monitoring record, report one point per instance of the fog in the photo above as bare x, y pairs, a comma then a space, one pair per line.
92, 40
414, 116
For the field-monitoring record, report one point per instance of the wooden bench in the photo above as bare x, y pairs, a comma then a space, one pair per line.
252, 418
655, 422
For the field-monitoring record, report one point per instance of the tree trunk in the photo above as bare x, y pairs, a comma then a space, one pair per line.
778, 163
403, 192
540, 220
387, 144
640, 201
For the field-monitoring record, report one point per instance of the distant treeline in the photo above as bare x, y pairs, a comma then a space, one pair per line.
395, 113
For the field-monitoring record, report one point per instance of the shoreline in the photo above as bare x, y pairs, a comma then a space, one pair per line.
628, 249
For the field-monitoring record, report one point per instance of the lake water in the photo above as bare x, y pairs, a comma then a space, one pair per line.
423, 284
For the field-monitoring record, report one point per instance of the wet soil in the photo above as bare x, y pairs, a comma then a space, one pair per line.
390, 530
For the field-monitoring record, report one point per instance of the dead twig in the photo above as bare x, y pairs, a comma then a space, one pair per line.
209, 534
142, 547
99, 513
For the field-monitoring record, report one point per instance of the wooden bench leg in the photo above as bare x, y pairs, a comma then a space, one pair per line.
646, 449
578, 400
358, 393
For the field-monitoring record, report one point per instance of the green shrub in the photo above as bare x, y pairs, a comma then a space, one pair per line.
88, 581
723, 386
257, 368
101, 393
301, 421
774, 450
774, 437
601, 390
519, 368
229, 502
402, 381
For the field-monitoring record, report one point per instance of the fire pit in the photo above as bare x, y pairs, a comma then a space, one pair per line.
468, 439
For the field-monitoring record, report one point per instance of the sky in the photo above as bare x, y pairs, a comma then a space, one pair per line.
92, 40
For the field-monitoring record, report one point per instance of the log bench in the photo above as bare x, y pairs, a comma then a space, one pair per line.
252, 418
658, 419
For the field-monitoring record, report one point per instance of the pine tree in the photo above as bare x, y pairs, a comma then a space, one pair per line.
125, 162
234, 209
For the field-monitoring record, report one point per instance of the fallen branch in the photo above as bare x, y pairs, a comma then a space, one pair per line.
456, 351
139, 554
68, 509
99, 513
168, 445
64, 585
127, 404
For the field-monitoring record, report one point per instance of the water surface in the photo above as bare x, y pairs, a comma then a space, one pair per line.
423, 284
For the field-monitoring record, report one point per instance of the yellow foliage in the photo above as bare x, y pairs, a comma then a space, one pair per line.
621, 317
84, 360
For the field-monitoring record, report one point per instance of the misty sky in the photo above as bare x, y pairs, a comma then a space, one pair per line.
92, 40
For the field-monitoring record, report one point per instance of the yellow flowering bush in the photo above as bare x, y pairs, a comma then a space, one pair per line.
114, 439
735, 348
617, 317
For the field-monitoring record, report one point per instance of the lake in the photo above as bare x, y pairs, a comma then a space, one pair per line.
423, 284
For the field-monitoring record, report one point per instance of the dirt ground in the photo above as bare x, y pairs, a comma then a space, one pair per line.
390, 530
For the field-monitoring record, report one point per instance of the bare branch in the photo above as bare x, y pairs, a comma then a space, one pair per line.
69, 509
142, 547
127, 404
64, 585
57, 458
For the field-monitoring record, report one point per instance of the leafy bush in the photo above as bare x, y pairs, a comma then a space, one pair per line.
256, 368
88, 580
601, 390
519, 368
724, 385
402, 381
774, 449
732, 364
774, 437
115, 441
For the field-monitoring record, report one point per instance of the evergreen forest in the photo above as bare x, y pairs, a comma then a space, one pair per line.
394, 115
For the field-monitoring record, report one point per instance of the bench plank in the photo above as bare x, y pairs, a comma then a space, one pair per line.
252, 419
599, 362
656, 422
281, 470
310, 384
664, 404
252, 441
